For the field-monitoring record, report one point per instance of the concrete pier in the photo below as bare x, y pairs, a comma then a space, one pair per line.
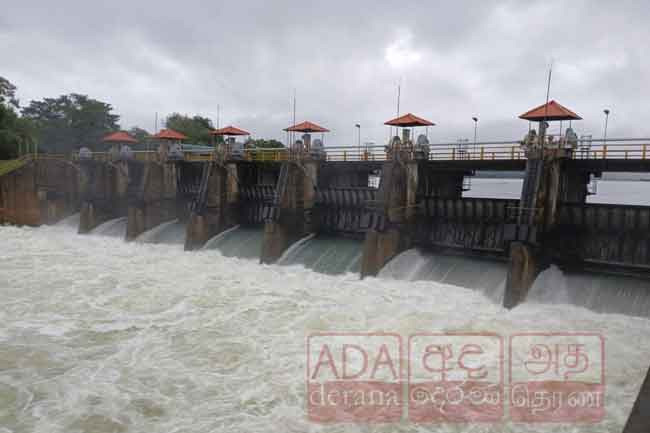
395, 208
152, 197
215, 208
103, 188
550, 180
293, 203
639, 419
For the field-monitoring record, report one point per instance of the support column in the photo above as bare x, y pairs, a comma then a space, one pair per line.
524, 268
214, 210
396, 201
639, 419
99, 194
295, 198
152, 198
548, 181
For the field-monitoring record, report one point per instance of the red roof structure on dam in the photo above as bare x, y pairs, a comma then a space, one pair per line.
409, 120
119, 137
306, 127
550, 111
230, 130
170, 134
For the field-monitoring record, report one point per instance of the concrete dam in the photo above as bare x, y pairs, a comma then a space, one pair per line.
289, 198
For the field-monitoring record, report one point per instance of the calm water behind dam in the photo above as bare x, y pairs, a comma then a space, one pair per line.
100, 335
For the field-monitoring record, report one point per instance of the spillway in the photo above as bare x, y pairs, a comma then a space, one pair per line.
115, 227
485, 276
241, 242
326, 255
71, 221
600, 293
170, 232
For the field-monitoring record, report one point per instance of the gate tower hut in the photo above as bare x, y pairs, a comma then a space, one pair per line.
170, 144
119, 142
408, 122
307, 128
549, 112
231, 132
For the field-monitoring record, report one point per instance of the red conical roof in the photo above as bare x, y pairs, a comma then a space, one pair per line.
170, 134
550, 111
409, 120
229, 130
306, 127
119, 137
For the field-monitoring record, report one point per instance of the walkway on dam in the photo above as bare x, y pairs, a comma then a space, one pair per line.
612, 154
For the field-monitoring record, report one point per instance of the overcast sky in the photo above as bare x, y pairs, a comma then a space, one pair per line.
344, 59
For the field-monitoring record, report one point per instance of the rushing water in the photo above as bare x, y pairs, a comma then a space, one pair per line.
170, 232
115, 227
241, 242
601, 293
327, 255
100, 335
485, 276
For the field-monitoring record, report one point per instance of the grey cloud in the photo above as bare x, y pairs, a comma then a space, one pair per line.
344, 59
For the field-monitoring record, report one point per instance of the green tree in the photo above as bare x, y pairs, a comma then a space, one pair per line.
17, 134
197, 128
138, 133
8, 93
263, 143
69, 122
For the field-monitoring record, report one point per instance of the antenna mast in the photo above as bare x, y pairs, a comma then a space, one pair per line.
542, 128
294, 115
399, 94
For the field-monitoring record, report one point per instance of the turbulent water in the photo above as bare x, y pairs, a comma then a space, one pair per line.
100, 335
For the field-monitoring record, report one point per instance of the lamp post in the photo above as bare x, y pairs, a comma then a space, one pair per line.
475, 119
606, 111
358, 126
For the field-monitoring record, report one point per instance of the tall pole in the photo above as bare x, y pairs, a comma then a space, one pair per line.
475, 119
293, 137
606, 111
399, 94
358, 126
542, 128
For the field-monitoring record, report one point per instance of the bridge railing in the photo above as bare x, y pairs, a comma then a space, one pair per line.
480, 151
355, 153
613, 148
584, 148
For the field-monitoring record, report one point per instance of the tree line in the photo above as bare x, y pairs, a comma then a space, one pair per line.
68, 122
